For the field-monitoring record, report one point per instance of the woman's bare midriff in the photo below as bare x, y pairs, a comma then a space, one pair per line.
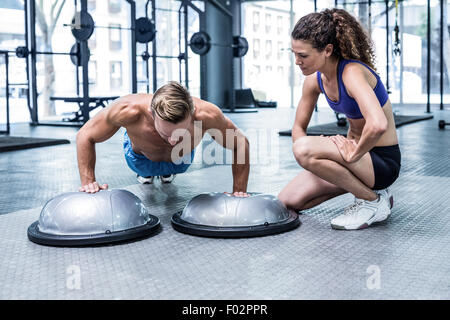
389, 138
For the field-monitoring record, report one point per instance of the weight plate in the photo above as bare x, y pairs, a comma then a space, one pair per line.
145, 30
200, 43
82, 26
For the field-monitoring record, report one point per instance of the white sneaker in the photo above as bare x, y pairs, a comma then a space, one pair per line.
167, 179
386, 194
361, 214
145, 180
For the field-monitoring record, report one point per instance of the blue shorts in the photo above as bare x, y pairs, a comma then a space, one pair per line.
146, 167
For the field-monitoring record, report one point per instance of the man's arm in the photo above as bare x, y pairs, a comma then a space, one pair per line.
98, 129
230, 138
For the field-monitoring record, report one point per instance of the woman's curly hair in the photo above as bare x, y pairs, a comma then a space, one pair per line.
337, 27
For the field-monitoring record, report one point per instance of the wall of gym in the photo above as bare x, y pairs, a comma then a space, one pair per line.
414, 77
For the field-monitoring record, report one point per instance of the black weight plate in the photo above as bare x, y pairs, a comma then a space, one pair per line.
200, 43
145, 30
82, 26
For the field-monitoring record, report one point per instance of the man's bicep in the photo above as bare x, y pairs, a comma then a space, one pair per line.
100, 128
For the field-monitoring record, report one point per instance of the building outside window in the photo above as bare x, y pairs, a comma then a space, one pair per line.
255, 21
92, 5
256, 48
268, 49
280, 50
115, 74
280, 25
92, 72
268, 22
114, 6
115, 37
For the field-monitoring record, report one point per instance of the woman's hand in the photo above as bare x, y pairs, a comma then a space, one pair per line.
346, 147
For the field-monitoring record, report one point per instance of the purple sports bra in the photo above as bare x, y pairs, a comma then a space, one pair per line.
346, 104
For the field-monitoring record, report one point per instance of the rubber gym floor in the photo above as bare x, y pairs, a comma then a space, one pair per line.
406, 257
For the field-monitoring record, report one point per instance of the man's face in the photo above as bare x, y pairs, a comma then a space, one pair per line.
171, 132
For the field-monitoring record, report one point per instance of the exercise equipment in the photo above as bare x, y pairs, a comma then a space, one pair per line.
83, 25
200, 43
76, 57
397, 49
79, 219
223, 215
442, 124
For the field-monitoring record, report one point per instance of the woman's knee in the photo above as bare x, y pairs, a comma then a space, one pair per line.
303, 150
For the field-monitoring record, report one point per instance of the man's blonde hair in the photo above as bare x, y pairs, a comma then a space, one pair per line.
172, 102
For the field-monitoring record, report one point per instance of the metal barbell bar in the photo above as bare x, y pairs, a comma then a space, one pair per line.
200, 43
83, 26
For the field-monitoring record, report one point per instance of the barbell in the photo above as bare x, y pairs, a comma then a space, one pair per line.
75, 54
200, 43
83, 25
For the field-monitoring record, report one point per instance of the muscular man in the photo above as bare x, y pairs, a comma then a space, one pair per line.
162, 131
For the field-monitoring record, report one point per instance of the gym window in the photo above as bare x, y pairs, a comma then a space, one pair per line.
115, 37
115, 74
114, 6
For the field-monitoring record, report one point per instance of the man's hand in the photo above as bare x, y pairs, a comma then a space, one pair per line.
346, 147
93, 187
239, 194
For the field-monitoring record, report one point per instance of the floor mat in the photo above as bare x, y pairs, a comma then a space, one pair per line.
8, 143
332, 129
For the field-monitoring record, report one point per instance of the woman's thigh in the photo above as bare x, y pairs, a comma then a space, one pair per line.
323, 148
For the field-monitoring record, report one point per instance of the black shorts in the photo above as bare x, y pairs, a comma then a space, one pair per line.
386, 165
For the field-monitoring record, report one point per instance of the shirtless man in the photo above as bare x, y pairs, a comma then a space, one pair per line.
156, 127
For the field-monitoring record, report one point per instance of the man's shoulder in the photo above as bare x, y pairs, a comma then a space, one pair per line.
128, 109
206, 111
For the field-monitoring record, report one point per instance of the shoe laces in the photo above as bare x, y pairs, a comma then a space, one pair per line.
353, 208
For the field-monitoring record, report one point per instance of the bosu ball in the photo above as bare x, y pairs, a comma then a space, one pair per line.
79, 219
223, 215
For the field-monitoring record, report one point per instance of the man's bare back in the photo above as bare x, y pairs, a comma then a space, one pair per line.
155, 138
145, 140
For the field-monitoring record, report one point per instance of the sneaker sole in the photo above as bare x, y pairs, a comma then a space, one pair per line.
359, 227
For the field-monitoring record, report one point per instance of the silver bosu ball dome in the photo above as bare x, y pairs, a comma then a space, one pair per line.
217, 214
79, 218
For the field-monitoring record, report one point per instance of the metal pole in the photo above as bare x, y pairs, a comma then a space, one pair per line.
25, 5
179, 42
402, 25
428, 53
387, 45
133, 46
31, 37
154, 64
7, 92
146, 49
441, 36
85, 69
292, 72
186, 76
315, 5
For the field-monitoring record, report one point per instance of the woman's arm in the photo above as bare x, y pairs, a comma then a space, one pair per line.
357, 85
305, 108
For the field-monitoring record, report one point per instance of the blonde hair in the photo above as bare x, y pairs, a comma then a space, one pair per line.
172, 102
